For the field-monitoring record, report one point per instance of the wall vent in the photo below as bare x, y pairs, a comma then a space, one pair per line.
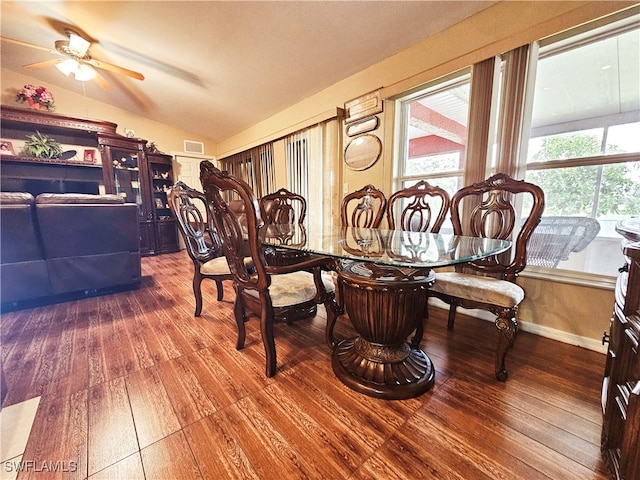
194, 147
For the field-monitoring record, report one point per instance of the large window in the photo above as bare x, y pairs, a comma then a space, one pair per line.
585, 139
568, 120
435, 135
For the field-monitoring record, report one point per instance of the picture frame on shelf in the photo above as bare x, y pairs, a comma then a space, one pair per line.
89, 156
6, 148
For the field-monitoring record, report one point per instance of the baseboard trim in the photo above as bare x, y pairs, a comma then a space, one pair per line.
541, 330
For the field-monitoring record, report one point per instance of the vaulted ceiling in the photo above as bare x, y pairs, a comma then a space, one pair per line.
215, 68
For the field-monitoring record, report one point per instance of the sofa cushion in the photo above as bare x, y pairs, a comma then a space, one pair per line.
70, 229
77, 198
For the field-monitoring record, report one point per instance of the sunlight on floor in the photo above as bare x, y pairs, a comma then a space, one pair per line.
15, 425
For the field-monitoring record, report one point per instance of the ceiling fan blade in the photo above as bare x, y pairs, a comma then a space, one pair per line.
45, 64
30, 45
115, 68
102, 83
78, 45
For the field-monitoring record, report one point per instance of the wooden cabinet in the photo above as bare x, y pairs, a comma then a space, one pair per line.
123, 167
126, 174
621, 384
166, 231
39, 175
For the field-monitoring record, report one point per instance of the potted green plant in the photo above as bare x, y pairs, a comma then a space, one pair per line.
42, 146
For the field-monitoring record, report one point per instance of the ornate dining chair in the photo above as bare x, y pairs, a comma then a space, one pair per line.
490, 283
269, 291
421, 207
195, 223
363, 208
283, 208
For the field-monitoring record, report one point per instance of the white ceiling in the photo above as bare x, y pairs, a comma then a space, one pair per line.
215, 68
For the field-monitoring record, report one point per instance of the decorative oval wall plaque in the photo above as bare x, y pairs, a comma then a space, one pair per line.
362, 152
362, 126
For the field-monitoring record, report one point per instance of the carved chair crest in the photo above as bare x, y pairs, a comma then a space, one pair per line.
230, 228
493, 214
418, 213
199, 233
283, 207
369, 210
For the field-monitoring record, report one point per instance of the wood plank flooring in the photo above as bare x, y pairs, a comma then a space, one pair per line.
134, 387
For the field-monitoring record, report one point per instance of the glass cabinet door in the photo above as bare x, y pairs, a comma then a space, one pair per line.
126, 177
162, 181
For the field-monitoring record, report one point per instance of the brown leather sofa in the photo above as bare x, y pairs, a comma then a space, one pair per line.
61, 246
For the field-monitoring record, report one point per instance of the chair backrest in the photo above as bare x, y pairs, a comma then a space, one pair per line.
363, 208
238, 240
490, 212
283, 207
556, 237
419, 208
195, 222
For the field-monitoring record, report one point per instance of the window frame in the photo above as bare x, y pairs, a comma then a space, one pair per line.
450, 81
557, 45
515, 76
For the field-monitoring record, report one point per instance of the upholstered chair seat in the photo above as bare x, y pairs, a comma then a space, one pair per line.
294, 288
219, 266
479, 289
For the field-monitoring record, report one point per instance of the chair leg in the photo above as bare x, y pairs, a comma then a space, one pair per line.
238, 310
333, 312
197, 292
507, 326
266, 329
452, 316
220, 290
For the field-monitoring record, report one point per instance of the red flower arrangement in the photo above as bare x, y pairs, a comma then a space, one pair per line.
38, 97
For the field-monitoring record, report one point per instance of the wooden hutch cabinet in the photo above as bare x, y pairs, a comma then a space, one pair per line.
621, 385
125, 168
166, 233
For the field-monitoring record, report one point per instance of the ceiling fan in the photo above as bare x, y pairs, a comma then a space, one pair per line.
75, 59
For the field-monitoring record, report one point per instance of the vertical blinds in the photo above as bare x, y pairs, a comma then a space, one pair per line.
254, 166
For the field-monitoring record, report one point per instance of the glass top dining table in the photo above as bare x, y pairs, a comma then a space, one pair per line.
397, 248
383, 277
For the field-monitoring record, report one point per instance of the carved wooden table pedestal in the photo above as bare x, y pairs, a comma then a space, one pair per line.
385, 304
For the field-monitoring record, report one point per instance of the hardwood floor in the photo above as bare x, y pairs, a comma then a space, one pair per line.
133, 386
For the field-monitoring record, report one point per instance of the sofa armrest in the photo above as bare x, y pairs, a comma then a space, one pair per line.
19, 234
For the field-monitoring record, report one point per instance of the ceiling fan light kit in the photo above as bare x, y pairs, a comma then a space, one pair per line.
76, 60
81, 71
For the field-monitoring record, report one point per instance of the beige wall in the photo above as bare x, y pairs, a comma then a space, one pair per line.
576, 314
166, 138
